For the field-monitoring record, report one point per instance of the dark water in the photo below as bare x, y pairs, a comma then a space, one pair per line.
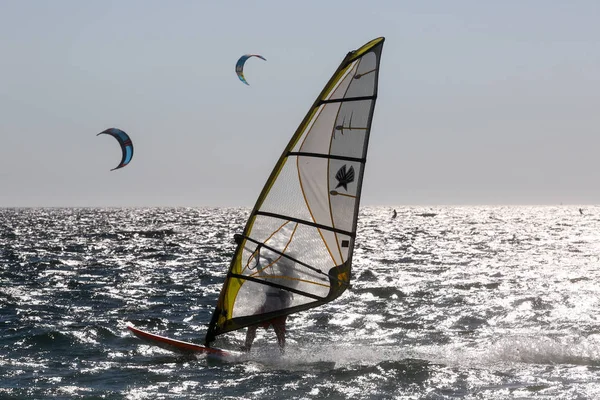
447, 302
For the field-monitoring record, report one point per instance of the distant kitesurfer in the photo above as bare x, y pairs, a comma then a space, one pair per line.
581, 211
394, 214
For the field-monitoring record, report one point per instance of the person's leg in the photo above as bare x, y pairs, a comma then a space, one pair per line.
279, 326
250, 335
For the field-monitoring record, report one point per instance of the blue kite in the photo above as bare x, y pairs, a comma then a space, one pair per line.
239, 66
126, 145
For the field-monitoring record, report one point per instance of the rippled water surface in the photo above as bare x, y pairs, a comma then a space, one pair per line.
446, 302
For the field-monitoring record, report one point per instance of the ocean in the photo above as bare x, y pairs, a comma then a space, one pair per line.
473, 302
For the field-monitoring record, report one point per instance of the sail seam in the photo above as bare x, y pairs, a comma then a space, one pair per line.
329, 156
343, 100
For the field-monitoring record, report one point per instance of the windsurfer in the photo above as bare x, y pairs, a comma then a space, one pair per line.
276, 299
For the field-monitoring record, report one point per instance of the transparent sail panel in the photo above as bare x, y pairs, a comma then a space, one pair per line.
351, 128
341, 89
300, 242
361, 80
318, 138
285, 196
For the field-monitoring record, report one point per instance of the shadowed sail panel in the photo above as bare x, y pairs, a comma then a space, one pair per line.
296, 249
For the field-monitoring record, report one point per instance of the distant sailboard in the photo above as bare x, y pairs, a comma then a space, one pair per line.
299, 238
125, 143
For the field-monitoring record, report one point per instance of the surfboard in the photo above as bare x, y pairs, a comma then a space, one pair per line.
180, 346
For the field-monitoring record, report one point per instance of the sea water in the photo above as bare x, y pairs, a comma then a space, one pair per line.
470, 302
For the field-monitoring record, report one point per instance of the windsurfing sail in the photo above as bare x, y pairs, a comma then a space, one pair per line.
296, 249
239, 65
124, 142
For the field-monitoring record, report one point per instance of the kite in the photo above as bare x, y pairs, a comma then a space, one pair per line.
126, 145
239, 66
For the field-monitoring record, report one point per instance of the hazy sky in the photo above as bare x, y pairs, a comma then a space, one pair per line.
480, 102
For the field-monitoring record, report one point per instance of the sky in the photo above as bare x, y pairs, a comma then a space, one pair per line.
479, 102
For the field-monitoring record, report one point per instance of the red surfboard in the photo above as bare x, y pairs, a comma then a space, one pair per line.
178, 345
